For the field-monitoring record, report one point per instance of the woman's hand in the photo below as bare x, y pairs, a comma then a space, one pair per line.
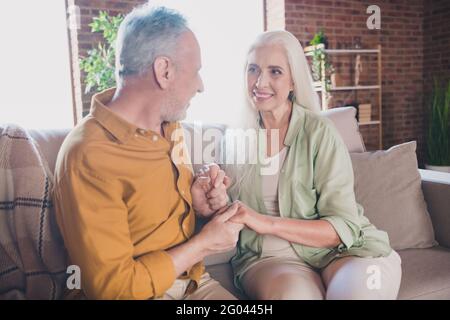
259, 223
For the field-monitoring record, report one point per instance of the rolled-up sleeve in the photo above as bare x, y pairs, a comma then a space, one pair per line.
94, 223
334, 182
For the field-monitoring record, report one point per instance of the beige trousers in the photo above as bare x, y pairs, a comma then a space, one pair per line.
279, 278
208, 289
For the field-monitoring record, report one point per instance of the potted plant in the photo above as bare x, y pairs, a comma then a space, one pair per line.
438, 140
99, 65
322, 69
320, 57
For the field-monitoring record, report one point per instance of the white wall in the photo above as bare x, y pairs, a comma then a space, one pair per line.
35, 88
225, 30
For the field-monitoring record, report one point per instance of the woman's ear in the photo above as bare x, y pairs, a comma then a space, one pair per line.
163, 70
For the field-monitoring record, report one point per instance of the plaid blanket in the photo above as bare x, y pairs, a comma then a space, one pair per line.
32, 254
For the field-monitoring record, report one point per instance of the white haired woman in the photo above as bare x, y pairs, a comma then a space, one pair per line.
306, 236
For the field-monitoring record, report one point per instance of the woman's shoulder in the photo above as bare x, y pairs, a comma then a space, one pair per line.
316, 125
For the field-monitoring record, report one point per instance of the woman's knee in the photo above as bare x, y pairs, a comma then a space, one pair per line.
292, 287
376, 278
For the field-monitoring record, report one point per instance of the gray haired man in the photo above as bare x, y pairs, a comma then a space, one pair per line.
126, 208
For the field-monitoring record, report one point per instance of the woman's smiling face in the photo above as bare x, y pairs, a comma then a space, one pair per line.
269, 79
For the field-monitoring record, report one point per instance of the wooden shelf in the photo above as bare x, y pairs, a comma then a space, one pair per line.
355, 88
345, 51
319, 86
310, 50
369, 123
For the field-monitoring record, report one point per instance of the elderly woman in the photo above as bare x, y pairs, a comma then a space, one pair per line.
306, 236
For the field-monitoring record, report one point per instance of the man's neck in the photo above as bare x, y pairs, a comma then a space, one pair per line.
137, 108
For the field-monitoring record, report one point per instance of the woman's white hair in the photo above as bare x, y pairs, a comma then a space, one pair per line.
304, 94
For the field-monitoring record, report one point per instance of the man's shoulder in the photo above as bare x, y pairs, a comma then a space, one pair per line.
84, 143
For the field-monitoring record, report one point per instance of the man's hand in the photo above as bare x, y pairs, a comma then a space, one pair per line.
209, 190
220, 234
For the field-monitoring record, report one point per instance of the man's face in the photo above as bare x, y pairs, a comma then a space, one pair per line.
187, 81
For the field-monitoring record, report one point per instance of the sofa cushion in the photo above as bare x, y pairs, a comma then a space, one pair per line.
224, 274
344, 119
436, 190
388, 186
49, 142
425, 274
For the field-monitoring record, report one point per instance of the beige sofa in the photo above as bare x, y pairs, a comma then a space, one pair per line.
426, 272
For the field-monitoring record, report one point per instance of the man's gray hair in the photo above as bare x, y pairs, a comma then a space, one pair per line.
146, 33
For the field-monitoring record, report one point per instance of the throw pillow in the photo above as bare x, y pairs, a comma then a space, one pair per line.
388, 186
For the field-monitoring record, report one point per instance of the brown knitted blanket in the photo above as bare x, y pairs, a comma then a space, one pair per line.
32, 254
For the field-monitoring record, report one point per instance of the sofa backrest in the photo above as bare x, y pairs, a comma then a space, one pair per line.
49, 142
344, 119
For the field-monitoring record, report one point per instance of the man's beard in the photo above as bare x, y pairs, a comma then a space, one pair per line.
174, 112
176, 116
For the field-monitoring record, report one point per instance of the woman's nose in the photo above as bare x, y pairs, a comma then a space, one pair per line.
262, 81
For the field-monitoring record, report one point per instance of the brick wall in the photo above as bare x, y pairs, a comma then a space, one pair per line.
414, 37
82, 40
436, 42
401, 38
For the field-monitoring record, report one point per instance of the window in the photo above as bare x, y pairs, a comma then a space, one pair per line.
35, 65
225, 30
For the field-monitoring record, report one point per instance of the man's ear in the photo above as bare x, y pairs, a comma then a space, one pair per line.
163, 70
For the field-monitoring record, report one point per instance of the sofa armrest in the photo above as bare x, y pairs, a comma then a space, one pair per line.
436, 190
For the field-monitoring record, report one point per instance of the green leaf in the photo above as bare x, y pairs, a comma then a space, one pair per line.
438, 137
99, 62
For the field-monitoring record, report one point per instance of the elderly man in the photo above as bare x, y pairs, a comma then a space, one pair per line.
125, 205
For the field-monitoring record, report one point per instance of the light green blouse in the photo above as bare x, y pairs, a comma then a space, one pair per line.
316, 182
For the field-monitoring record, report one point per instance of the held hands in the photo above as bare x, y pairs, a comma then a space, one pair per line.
253, 220
209, 190
220, 233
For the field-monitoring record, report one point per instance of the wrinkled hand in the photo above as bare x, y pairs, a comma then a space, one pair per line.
209, 190
220, 234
